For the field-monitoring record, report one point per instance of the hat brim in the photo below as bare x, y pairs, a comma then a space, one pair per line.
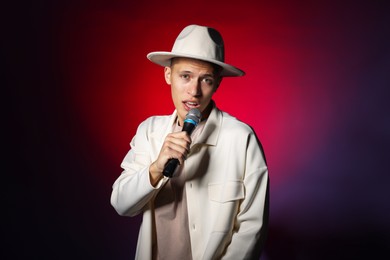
163, 58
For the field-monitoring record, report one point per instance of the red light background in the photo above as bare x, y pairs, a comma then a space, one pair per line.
114, 87
316, 78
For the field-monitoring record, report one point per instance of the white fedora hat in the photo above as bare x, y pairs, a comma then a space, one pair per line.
201, 43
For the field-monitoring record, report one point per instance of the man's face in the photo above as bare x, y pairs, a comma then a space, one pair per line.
193, 83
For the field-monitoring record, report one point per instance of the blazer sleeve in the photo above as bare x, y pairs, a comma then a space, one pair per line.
251, 223
132, 190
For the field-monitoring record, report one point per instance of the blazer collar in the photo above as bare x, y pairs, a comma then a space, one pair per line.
212, 127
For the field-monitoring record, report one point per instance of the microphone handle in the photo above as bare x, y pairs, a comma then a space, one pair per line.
170, 167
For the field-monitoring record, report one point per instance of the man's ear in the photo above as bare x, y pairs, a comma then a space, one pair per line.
167, 75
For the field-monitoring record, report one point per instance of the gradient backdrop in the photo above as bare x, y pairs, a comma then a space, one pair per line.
77, 84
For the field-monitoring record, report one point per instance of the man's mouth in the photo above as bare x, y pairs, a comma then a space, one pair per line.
190, 104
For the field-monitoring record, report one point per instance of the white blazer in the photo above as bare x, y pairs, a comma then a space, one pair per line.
227, 187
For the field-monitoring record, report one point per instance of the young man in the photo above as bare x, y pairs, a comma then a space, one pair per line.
215, 206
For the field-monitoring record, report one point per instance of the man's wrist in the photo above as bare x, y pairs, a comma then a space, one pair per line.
155, 174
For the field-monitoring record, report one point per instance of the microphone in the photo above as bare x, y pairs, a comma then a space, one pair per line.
190, 122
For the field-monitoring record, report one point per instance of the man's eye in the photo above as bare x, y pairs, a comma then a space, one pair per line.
185, 76
208, 81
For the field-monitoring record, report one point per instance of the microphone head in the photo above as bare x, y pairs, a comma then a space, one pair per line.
193, 116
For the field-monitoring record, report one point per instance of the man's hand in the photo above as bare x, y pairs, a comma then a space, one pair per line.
176, 145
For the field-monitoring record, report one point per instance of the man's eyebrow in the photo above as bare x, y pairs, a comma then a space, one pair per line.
190, 72
186, 71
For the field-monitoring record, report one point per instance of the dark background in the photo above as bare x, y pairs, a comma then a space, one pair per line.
77, 85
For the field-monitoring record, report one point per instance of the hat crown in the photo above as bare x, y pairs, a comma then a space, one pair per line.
200, 41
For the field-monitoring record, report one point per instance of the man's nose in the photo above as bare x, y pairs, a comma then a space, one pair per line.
194, 89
